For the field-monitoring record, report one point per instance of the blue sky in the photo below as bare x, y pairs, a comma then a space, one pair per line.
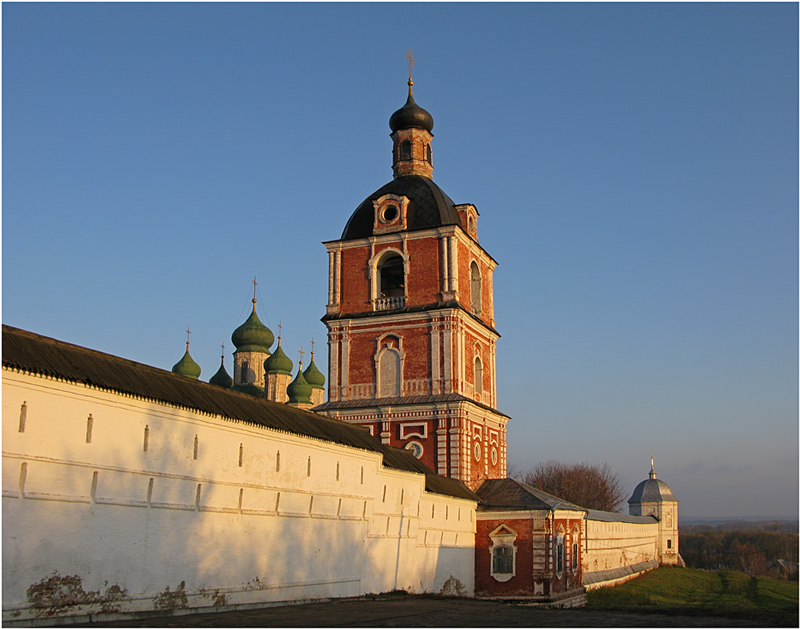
635, 167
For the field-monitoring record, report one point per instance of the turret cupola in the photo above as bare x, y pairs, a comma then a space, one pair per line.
412, 128
316, 380
278, 362
221, 378
299, 391
653, 497
186, 365
252, 335
252, 340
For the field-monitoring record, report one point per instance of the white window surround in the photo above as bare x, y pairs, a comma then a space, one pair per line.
502, 537
558, 549
378, 301
389, 221
414, 430
389, 343
475, 288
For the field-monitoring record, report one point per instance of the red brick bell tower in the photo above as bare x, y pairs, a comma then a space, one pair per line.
410, 318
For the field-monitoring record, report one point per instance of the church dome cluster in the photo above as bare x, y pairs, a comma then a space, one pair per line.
260, 372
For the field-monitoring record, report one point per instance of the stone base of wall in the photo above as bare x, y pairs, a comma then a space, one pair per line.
615, 576
572, 598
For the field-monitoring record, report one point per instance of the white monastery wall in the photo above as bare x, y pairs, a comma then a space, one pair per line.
112, 503
618, 549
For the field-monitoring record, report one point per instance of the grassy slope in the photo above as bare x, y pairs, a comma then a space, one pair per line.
689, 590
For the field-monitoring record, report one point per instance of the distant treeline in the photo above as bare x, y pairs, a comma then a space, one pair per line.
755, 552
785, 526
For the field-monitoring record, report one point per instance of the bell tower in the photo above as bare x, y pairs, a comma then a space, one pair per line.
410, 318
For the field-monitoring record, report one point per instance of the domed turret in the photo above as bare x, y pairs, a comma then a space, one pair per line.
315, 378
299, 391
653, 497
221, 378
279, 362
652, 490
411, 115
186, 365
252, 335
252, 340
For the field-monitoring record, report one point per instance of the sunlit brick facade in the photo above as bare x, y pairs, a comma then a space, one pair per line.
410, 317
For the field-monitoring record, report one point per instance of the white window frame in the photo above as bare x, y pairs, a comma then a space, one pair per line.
503, 537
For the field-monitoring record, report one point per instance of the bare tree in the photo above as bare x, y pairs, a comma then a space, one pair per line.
589, 486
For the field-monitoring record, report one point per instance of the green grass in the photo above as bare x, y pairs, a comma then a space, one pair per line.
693, 591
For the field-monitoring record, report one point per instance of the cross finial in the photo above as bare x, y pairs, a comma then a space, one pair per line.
254, 292
301, 352
188, 332
411, 64
280, 332
312, 349
652, 467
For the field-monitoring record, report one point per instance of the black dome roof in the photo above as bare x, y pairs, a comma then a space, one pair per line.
428, 206
411, 115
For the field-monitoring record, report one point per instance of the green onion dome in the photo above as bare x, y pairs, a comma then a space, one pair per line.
314, 376
221, 378
279, 362
250, 389
252, 335
299, 391
186, 366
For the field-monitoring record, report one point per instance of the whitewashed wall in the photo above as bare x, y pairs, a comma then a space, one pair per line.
258, 515
611, 547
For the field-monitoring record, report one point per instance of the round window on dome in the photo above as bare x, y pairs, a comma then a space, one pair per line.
390, 213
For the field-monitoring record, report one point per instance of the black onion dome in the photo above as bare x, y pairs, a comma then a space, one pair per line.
428, 206
411, 115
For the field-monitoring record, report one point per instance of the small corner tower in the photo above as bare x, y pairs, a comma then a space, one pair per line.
654, 497
410, 318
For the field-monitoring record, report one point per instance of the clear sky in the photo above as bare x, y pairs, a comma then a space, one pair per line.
635, 167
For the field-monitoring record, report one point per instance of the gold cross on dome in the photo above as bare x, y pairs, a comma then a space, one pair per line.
188, 332
411, 62
301, 352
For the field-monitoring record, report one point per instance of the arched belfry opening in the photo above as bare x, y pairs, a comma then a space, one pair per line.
391, 276
475, 286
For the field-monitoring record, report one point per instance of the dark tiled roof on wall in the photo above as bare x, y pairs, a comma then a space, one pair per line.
33, 353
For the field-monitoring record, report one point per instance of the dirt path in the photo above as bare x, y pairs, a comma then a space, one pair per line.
428, 612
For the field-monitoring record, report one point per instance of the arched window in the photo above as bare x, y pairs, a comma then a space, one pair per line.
389, 373
391, 277
428, 154
475, 288
478, 376
405, 150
